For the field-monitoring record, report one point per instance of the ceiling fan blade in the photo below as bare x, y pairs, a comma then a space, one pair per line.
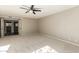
32, 7
37, 10
27, 11
23, 8
34, 12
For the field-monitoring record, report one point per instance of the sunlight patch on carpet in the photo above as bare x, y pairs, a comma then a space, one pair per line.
45, 49
4, 49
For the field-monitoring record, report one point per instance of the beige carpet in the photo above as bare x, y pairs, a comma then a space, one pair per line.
34, 44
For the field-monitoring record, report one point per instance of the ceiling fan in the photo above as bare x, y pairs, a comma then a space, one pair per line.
31, 8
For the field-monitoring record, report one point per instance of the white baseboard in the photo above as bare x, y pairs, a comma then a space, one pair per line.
58, 38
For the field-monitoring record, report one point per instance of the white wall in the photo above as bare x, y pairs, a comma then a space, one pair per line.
28, 26
64, 25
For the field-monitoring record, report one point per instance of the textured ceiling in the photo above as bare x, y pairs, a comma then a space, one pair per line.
14, 10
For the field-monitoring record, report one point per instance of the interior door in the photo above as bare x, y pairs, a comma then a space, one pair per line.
15, 27
7, 27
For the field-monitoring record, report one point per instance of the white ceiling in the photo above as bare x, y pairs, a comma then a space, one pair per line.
14, 10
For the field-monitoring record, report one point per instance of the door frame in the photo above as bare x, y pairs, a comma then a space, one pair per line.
13, 25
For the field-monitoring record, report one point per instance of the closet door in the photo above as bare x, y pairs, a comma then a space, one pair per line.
16, 27
10, 27
7, 28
